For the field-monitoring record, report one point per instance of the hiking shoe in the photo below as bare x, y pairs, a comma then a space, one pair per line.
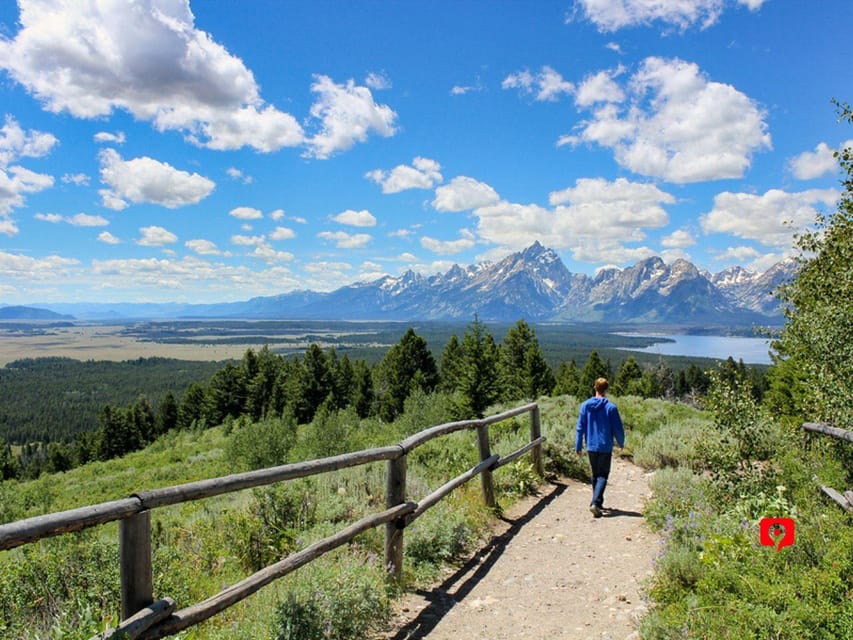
596, 510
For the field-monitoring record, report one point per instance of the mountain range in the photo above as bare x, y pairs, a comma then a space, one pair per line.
533, 284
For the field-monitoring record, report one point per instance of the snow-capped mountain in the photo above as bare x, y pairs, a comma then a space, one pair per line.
533, 284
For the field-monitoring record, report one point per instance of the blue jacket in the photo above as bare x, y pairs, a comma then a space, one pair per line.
599, 423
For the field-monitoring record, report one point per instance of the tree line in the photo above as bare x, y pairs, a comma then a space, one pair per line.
474, 369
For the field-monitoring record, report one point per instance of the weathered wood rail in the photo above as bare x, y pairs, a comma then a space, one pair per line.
845, 500
144, 618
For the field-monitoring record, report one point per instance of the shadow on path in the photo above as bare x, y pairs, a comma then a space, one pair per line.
441, 602
615, 513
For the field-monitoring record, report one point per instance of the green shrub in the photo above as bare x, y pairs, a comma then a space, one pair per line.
261, 444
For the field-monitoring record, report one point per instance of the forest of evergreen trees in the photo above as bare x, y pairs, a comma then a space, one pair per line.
476, 369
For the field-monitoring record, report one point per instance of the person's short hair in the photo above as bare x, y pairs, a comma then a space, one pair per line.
601, 385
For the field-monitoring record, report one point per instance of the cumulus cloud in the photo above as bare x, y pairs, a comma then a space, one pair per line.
235, 174
147, 180
813, 164
599, 87
739, 254
245, 213
203, 247
446, 247
78, 220
79, 179
8, 228
679, 239
361, 218
248, 241
155, 236
345, 240
771, 219
422, 174
282, 233
678, 125
16, 181
347, 114
14, 266
625, 209
547, 85
464, 193
148, 58
461, 90
612, 15
111, 138
107, 238
266, 253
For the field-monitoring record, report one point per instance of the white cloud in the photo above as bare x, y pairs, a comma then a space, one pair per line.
361, 218
266, 253
53, 218
347, 114
548, 84
25, 268
148, 59
15, 143
813, 164
407, 257
155, 236
461, 90
624, 209
80, 179
245, 213
614, 46
86, 220
400, 233
464, 193
611, 15
278, 214
679, 125
111, 138
203, 247
422, 174
679, 239
325, 267
378, 81
147, 180
446, 247
282, 233
771, 219
108, 238
248, 241
737, 254
8, 227
599, 87
16, 181
235, 174
344, 240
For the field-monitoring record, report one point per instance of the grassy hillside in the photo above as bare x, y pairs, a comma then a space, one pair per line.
67, 587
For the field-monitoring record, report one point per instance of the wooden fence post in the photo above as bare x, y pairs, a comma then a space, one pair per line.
137, 583
535, 432
486, 475
395, 493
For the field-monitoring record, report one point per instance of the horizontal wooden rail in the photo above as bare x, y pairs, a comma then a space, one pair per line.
147, 619
143, 620
837, 497
14, 534
835, 432
224, 599
430, 500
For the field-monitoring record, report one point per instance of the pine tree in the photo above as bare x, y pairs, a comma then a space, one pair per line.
628, 380
594, 368
480, 385
451, 365
568, 380
524, 372
407, 366
167, 413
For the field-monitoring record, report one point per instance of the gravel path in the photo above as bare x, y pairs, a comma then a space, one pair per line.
550, 572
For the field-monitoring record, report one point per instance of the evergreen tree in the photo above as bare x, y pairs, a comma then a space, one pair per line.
9, 463
363, 395
407, 366
226, 394
480, 386
568, 380
523, 370
167, 414
628, 380
594, 368
192, 407
451, 365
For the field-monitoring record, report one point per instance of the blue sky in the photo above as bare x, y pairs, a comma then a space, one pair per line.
158, 150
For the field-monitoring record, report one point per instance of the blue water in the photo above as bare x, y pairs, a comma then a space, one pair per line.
750, 350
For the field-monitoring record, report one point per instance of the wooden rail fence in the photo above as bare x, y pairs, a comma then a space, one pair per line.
144, 618
846, 499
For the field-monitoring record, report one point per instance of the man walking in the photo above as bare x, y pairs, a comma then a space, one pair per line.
599, 423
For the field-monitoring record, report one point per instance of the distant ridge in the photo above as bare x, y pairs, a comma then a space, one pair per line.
31, 313
533, 284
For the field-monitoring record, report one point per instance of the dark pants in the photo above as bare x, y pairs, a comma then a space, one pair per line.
600, 463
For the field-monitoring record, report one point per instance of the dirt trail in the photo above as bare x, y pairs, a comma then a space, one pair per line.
551, 572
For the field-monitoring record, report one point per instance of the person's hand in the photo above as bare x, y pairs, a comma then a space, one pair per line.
579, 453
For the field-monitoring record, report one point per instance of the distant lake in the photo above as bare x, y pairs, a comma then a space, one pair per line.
750, 350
